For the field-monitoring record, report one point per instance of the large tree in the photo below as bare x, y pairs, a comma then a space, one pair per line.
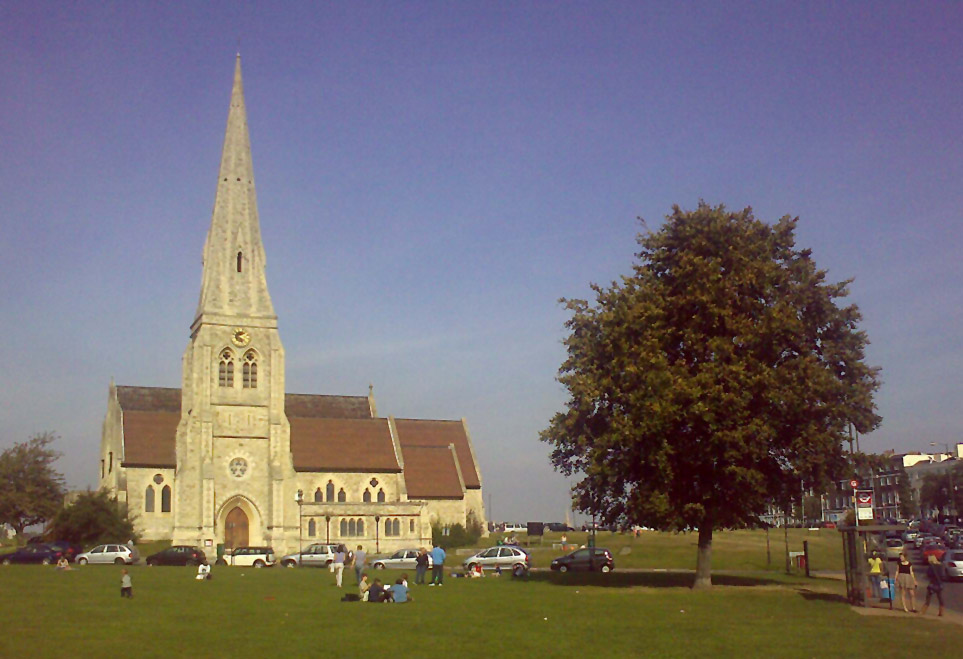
717, 377
944, 490
31, 490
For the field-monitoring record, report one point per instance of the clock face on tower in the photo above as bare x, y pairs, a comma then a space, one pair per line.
240, 337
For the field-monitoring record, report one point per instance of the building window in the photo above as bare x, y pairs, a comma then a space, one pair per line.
225, 369
396, 527
344, 528
110, 463
366, 497
360, 527
102, 472
381, 496
329, 492
249, 370
149, 499
166, 499
411, 526
352, 528
312, 529
240, 260
341, 496
317, 496
387, 526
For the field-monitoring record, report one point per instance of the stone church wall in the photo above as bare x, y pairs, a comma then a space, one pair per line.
156, 525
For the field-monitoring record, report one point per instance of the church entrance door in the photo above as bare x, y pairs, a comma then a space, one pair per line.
235, 529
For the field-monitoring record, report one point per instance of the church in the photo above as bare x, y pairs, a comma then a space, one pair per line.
232, 459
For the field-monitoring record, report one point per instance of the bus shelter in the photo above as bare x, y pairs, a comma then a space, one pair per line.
859, 543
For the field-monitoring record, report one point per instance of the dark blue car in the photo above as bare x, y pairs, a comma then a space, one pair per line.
42, 553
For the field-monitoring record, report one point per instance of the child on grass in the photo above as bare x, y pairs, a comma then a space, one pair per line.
126, 589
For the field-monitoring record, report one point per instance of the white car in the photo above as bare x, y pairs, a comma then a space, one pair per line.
112, 554
513, 527
953, 565
249, 557
403, 559
505, 557
319, 554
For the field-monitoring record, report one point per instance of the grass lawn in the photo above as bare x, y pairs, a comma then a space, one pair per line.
281, 612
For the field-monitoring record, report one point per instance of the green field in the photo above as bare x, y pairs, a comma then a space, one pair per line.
280, 612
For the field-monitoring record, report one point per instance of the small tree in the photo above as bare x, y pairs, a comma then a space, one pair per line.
31, 491
93, 518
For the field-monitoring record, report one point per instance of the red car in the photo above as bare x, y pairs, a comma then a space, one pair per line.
933, 549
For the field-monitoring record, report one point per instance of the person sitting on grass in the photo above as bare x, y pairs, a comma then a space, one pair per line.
476, 572
62, 564
363, 587
399, 592
203, 572
376, 593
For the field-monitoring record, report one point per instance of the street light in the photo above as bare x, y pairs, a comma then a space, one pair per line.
327, 528
299, 497
377, 536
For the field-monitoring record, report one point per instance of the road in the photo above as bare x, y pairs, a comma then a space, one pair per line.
952, 591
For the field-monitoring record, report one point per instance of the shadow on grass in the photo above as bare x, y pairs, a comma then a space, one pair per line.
645, 579
814, 596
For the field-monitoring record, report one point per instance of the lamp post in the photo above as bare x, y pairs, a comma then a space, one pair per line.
299, 497
327, 528
377, 534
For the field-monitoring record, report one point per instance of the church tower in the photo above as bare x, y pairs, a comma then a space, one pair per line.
235, 481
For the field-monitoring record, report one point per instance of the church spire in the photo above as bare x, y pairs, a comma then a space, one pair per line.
233, 283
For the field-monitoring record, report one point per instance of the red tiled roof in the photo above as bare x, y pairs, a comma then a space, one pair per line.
328, 407
149, 438
342, 445
422, 432
431, 473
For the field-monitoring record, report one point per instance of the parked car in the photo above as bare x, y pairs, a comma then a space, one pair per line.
317, 555
68, 549
909, 535
558, 527
36, 553
515, 527
115, 554
503, 557
894, 547
828, 525
403, 559
953, 565
585, 560
249, 557
921, 538
178, 555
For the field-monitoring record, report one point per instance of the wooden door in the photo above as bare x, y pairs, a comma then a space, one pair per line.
235, 529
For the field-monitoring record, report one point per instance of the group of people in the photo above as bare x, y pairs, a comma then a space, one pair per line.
377, 593
359, 559
906, 583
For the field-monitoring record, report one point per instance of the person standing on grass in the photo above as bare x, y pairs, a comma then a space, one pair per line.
421, 566
126, 588
933, 573
438, 566
906, 582
875, 574
359, 563
338, 566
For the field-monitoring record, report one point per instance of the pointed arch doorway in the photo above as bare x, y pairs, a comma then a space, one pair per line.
236, 529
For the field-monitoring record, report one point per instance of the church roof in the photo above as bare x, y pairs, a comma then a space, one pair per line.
320, 444
431, 472
149, 438
337, 407
153, 399
423, 432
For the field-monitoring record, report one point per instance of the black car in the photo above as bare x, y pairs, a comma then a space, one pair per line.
585, 560
68, 549
178, 555
36, 553
558, 527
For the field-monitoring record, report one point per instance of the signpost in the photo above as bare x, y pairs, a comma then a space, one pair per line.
854, 484
864, 504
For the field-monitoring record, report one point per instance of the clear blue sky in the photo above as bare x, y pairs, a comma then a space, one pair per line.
432, 177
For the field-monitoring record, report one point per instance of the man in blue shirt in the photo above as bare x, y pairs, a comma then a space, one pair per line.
438, 566
399, 592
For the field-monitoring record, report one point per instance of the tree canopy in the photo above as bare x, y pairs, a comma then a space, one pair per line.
712, 380
944, 490
31, 490
92, 518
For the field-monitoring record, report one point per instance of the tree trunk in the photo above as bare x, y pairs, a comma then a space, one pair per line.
703, 576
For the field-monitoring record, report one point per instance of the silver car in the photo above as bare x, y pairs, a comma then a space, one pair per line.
114, 554
403, 559
503, 557
953, 564
317, 555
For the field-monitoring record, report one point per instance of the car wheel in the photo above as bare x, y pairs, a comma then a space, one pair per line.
606, 569
379, 566
517, 567
290, 564
563, 568
81, 561
259, 563
45, 561
6, 561
150, 563
190, 562
220, 561
472, 566
119, 561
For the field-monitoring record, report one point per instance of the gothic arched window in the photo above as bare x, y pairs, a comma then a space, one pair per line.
240, 260
249, 370
329, 492
352, 528
344, 528
312, 528
381, 496
360, 528
166, 499
396, 527
225, 369
341, 496
387, 526
149, 499
411, 525
317, 496
366, 497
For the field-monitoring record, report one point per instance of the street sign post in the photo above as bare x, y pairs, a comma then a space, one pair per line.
864, 504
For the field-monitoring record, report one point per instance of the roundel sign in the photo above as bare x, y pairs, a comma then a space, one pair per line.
854, 483
864, 498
